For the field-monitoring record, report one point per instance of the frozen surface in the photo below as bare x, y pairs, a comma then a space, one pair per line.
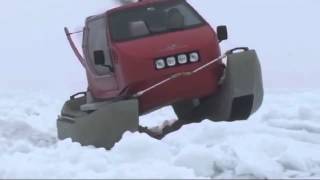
281, 141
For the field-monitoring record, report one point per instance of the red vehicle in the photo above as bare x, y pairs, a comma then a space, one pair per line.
146, 55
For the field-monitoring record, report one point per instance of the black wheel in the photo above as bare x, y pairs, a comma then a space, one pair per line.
189, 111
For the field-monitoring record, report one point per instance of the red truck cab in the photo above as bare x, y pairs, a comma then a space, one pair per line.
130, 48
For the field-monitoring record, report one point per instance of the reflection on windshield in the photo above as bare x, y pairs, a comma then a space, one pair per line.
160, 18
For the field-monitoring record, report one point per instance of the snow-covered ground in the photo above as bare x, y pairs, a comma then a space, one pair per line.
281, 141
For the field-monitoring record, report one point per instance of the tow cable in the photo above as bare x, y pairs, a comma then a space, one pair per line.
190, 73
178, 124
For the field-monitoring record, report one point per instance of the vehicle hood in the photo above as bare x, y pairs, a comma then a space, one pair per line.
163, 45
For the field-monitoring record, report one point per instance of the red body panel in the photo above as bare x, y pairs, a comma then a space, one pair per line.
135, 70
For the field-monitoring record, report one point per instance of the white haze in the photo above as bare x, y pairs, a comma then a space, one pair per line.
36, 55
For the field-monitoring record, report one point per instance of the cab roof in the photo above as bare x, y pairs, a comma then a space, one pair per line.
140, 3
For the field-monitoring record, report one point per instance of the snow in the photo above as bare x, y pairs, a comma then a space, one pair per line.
38, 72
281, 141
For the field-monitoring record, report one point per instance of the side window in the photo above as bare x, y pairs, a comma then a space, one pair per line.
98, 50
189, 17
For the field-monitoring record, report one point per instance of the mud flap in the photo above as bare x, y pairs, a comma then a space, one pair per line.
101, 128
240, 95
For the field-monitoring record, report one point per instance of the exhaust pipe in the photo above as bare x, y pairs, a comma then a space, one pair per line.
123, 2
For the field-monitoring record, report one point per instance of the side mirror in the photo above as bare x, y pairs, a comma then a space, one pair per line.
100, 60
222, 32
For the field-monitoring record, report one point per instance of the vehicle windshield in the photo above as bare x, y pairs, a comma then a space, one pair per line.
153, 19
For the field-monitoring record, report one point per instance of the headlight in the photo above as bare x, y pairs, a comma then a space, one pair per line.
171, 61
160, 64
182, 59
194, 57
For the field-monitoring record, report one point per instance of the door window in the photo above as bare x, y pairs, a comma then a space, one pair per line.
98, 49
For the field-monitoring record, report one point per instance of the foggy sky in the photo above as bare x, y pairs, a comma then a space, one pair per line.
35, 53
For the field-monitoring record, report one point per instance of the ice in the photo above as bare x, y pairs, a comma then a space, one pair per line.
277, 142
